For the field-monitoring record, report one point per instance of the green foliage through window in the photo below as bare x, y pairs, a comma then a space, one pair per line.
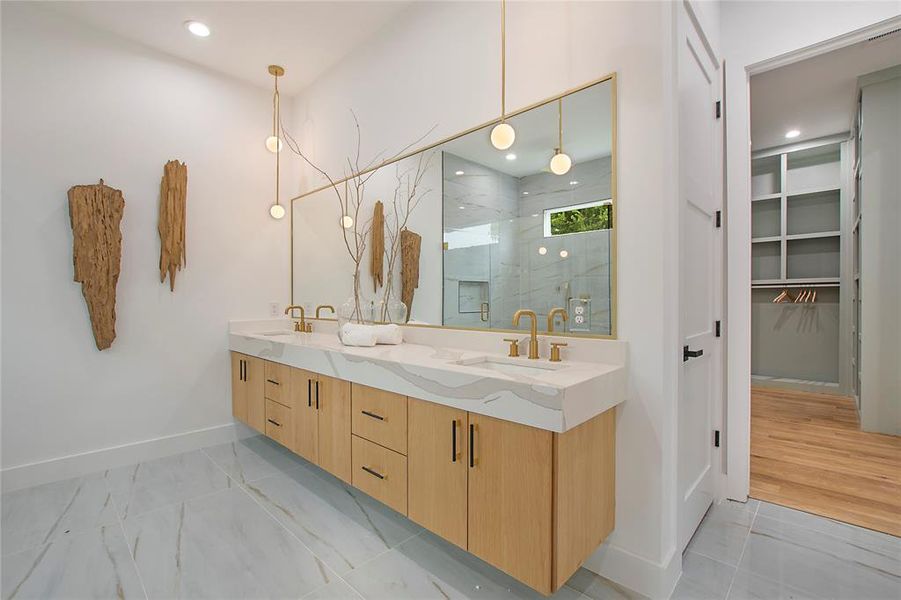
579, 220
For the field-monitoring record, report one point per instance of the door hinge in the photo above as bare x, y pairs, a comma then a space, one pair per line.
717, 325
716, 438
719, 109
719, 219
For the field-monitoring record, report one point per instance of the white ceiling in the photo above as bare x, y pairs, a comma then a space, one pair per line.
817, 95
586, 135
307, 38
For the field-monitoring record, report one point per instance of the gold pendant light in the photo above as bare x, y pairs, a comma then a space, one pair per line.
274, 141
561, 163
503, 135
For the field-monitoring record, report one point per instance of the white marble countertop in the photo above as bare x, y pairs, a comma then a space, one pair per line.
552, 396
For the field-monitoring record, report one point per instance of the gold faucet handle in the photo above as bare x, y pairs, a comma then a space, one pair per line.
555, 350
308, 328
514, 347
298, 327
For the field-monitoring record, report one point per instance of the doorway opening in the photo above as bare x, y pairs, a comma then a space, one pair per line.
825, 281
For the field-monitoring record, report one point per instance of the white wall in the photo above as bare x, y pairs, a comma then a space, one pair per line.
78, 105
752, 32
880, 248
439, 63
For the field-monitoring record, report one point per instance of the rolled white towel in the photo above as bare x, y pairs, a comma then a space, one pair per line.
354, 334
389, 334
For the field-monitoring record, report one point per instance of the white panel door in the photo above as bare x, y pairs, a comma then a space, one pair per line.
700, 271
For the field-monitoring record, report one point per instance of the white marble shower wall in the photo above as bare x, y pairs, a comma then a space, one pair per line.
549, 279
480, 230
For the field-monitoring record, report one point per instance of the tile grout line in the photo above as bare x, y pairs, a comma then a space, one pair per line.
744, 547
134, 561
289, 532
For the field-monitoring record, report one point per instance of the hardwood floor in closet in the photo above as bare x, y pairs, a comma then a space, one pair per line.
808, 453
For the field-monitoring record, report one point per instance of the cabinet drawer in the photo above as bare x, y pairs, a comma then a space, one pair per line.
380, 417
279, 423
381, 473
277, 382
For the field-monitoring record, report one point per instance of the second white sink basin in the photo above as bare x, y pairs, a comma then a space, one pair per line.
512, 366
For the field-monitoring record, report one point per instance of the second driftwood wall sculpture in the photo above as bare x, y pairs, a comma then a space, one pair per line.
95, 212
410, 244
173, 204
377, 252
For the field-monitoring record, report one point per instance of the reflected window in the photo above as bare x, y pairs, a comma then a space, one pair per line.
578, 218
467, 237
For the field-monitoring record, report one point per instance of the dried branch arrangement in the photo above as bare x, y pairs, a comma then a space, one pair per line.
410, 244
173, 199
95, 212
351, 197
408, 193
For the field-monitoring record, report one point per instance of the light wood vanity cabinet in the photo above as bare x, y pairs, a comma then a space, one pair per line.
437, 469
248, 403
531, 502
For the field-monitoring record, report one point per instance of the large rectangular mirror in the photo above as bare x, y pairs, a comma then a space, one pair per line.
497, 230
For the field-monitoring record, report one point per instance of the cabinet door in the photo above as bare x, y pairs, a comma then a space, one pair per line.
254, 377
510, 498
239, 390
436, 462
333, 398
306, 415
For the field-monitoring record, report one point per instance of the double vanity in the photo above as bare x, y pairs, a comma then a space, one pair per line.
511, 459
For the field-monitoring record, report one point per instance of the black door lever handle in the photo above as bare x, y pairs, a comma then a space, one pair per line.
686, 353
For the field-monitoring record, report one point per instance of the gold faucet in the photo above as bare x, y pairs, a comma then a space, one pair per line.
321, 306
550, 317
533, 335
301, 325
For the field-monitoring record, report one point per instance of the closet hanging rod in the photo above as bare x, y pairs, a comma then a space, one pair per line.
773, 286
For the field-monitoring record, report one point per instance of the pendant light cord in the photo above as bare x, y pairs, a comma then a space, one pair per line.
276, 119
560, 125
503, 60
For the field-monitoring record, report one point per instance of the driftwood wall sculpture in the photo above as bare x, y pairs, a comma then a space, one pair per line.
95, 212
377, 250
410, 244
173, 201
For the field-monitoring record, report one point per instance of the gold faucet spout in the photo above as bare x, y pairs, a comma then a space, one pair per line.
301, 324
533, 333
324, 306
554, 312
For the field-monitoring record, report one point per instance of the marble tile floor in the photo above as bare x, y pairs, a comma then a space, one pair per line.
252, 520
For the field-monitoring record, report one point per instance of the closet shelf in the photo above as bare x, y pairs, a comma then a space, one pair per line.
811, 236
763, 240
813, 191
775, 196
782, 283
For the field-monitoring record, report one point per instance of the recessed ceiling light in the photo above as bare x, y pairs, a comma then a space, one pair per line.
573, 182
459, 173
542, 251
461, 207
197, 28
535, 215
792, 133
510, 156
564, 254
525, 193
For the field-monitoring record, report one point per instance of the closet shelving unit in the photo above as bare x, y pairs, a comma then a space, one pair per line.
800, 225
796, 215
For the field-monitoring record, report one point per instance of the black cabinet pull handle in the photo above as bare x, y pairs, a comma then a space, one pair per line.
276, 423
317, 394
273, 382
686, 353
373, 473
309, 392
472, 437
373, 415
241, 370
454, 440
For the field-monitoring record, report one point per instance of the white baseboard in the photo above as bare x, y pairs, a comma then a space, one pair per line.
76, 465
651, 579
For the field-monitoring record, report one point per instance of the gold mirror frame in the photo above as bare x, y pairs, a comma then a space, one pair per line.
611, 77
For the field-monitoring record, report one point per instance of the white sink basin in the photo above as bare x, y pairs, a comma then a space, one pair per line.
510, 366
